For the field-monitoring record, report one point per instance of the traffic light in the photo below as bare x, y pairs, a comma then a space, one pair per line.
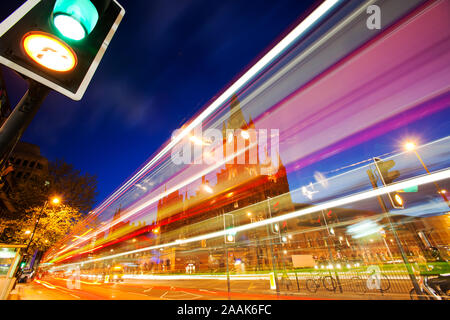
59, 43
387, 177
228, 223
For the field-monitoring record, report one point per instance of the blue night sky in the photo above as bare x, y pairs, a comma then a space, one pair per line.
167, 59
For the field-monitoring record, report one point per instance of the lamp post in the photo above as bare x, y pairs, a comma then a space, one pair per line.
411, 146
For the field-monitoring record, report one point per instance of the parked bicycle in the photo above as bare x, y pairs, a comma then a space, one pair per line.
427, 292
328, 282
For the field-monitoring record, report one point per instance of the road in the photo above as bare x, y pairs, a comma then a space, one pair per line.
58, 289
53, 288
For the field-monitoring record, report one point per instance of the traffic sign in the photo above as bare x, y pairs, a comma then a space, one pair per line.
59, 43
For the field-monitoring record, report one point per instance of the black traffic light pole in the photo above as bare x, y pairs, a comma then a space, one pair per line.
16, 124
373, 181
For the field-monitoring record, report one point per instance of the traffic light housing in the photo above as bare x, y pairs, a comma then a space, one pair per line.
387, 176
59, 43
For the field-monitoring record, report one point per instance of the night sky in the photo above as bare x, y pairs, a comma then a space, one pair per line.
165, 62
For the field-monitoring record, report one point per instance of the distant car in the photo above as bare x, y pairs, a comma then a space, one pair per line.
26, 276
116, 274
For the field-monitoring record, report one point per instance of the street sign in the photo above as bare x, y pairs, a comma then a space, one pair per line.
59, 43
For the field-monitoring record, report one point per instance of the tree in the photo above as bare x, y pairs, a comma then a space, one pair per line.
55, 223
77, 192
75, 189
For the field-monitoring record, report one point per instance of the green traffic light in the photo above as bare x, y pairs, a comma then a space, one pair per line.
75, 19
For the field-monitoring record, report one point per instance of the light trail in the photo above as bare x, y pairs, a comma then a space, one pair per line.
421, 180
292, 37
154, 200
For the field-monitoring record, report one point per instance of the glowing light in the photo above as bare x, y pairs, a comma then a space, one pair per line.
245, 135
208, 188
75, 19
398, 199
27, 232
410, 146
230, 137
69, 27
197, 141
230, 237
49, 52
56, 200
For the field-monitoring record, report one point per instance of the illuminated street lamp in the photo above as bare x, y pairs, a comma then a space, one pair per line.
411, 146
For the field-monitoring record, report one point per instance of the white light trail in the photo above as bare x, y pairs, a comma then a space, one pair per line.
417, 181
292, 37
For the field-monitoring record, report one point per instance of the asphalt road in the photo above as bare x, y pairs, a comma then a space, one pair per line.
58, 289
52, 288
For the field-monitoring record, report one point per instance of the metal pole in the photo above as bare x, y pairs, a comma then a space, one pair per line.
272, 258
439, 190
16, 124
228, 272
397, 239
35, 226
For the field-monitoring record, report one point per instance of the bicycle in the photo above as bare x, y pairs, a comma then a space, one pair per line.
378, 281
426, 292
328, 282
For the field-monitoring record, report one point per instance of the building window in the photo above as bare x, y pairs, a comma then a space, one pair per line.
18, 161
32, 163
26, 175
19, 174
39, 166
25, 163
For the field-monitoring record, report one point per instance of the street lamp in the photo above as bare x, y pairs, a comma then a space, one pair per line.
411, 146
